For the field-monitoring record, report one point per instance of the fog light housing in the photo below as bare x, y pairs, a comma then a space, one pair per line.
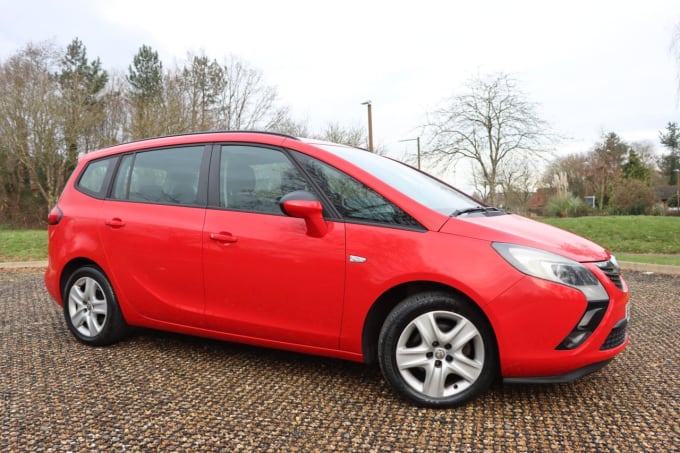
586, 325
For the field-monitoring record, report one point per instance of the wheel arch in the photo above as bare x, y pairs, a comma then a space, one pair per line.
70, 268
113, 326
389, 299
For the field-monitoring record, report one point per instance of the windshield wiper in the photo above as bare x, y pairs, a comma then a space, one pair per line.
482, 209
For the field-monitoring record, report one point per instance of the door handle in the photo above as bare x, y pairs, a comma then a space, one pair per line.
115, 223
226, 238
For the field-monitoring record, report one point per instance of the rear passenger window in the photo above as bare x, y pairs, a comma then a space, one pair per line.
92, 179
164, 176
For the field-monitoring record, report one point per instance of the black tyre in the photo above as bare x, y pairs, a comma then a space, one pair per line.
91, 309
437, 350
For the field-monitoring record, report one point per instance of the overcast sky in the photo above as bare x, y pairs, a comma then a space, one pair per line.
592, 66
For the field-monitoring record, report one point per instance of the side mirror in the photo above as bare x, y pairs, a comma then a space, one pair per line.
305, 205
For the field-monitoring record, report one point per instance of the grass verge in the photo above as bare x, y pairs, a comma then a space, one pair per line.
669, 260
23, 245
627, 234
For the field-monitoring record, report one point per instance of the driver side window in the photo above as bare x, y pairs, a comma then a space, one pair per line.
255, 178
351, 198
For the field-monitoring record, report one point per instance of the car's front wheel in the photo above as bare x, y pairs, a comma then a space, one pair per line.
437, 350
91, 309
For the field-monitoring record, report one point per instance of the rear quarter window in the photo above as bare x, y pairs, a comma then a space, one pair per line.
93, 179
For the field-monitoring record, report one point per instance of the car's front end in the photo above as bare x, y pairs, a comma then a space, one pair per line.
556, 302
566, 315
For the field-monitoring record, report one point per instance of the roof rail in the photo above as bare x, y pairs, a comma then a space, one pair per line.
280, 134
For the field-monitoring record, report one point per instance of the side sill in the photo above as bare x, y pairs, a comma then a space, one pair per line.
561, 379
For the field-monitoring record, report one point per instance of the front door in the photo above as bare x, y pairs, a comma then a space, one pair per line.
264, 276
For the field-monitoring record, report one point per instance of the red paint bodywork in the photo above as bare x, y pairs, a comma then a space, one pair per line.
262, 279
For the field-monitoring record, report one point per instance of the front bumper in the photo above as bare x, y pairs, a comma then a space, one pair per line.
532, 318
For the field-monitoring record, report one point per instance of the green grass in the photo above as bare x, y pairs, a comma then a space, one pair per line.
23, 245
672, 260
630, 234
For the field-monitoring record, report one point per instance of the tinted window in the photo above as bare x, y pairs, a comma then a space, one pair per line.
94, 175
353, 199
166, 176
254, 178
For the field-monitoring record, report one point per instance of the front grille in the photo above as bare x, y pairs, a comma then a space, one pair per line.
612, 270
617, 336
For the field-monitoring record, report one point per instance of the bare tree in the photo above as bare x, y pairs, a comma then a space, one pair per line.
647, 152
178, 113
114, 126
30, 118
290, 126
351, 135
675, 51
490, 124
578, 171
517, 180
245, 101
202, 81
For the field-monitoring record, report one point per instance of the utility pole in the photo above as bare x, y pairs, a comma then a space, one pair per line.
677, 188
417, 140
370, 125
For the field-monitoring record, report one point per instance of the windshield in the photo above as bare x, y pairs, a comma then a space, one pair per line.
419, 186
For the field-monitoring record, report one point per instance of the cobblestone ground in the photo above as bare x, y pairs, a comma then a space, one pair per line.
163, 392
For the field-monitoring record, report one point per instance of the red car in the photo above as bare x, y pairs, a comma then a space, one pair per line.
325, 249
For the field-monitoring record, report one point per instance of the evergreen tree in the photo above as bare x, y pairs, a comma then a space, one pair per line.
607, 158
145, 75
81, 82
145, 94
669, 162
634, 168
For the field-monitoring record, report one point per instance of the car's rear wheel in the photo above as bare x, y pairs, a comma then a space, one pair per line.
91, 309
437, 350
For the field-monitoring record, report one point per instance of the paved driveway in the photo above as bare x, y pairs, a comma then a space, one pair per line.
159, 391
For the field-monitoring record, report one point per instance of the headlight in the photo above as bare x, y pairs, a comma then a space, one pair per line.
556, 268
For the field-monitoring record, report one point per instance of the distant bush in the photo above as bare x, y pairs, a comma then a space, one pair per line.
632, 197
658, 209
565, 205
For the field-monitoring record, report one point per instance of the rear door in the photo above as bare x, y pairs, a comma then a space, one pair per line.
151, 227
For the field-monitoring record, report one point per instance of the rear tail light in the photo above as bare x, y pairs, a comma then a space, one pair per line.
54, 216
